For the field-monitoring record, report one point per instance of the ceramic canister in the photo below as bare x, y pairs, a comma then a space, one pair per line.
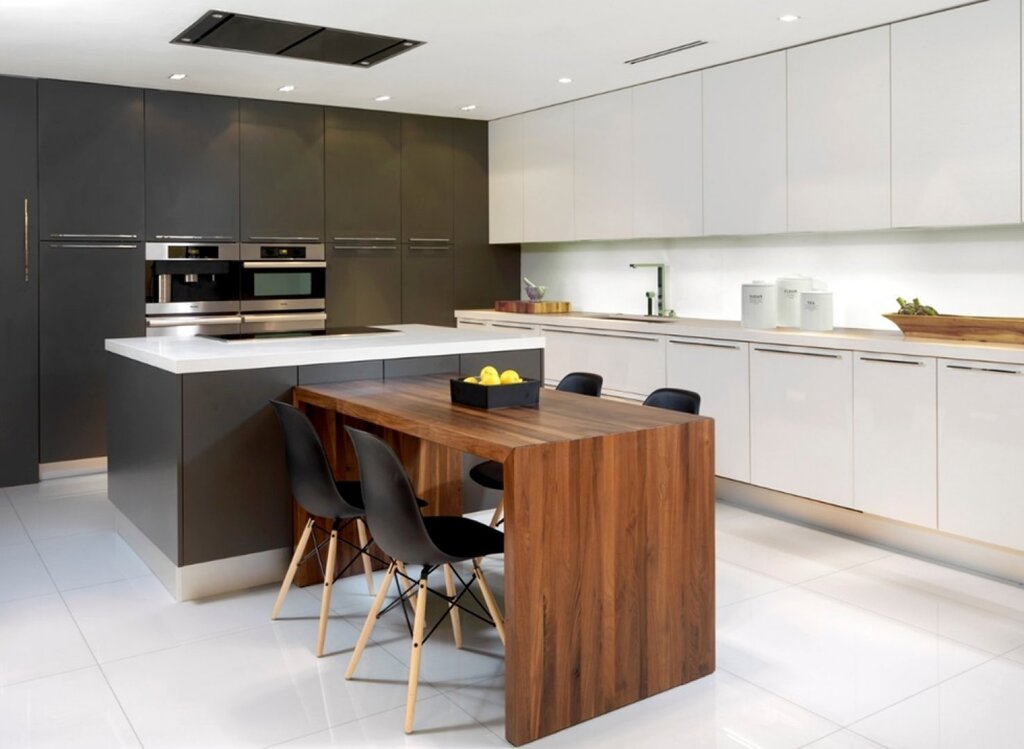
760, 305
789, 289
816, 310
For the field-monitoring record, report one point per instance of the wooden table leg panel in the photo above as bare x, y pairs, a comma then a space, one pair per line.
608, 569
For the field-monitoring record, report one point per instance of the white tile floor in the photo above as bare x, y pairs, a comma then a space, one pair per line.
823, 642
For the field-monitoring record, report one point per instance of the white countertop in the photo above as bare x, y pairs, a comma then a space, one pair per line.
853, 339
189, 355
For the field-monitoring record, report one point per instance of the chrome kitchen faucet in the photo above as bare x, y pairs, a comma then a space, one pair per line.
662, 273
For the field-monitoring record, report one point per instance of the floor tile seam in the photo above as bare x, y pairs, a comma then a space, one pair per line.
20, 682
105, 582
470, 717
63, 536
28, 501
849, 726
787, 700
917, 627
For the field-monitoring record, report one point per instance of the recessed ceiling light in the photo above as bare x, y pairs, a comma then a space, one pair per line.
286, 89
468, 108
177, 76
789, 18
565, 80
385, 97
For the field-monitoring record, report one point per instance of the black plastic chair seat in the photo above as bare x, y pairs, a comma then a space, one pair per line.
489, 475
462, 538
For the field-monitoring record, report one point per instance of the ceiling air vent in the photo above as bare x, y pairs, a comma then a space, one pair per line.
219, 29
662, 53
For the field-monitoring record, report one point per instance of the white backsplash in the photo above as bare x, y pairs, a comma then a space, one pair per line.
976, 271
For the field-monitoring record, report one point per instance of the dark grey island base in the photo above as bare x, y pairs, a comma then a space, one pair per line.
196, 461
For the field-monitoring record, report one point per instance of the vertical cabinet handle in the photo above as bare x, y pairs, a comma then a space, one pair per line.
26, 242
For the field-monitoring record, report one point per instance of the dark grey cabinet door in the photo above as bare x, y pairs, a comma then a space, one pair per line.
363, 161
282, 171
191, 166
483, 273
428, 294
91, 161
88, 292
19, 285
427, 179
364, 285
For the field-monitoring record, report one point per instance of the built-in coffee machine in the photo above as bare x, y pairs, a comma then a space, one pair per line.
192, 288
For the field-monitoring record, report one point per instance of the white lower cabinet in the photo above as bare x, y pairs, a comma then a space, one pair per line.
894, 430
801, 421
720, 372
981, 451
632, 364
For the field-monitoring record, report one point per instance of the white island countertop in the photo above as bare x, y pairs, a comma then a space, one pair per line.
200, 354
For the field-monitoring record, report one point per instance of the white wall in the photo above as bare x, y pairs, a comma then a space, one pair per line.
977, 271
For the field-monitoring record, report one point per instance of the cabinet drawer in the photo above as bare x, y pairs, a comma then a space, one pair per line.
632, 365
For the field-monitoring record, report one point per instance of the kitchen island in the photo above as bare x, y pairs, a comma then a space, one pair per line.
195, 456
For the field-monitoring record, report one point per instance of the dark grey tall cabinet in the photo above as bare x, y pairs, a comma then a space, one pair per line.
19, 284
363, 195
428, 292
91, 266
282, 171
191, 166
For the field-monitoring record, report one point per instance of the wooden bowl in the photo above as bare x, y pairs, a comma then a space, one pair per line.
961, 327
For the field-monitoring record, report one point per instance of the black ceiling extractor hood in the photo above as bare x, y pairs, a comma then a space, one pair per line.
219, 29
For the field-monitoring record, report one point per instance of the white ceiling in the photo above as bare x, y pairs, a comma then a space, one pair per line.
502, 55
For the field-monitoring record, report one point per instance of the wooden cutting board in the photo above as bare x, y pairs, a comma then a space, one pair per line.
531, 308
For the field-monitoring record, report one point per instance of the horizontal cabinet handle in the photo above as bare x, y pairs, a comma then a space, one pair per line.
472, 322
599, 335
706, 345
286, 239
799, 353
283, 264
286, 317
429, 239
95, 236
365, 239
97, 246
190, 236
912, 363
506, 325
995, 370
364, 247
174, 322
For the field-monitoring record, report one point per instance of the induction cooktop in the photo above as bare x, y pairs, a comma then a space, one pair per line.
340, 332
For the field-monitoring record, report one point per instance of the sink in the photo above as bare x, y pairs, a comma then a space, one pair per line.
635, 318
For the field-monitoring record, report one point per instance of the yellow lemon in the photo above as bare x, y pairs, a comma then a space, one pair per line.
510, 377
490, 379
470, 379
488, 371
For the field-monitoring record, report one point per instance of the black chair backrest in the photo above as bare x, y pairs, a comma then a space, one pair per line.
675, 399
584, 383
391, 510
309, 472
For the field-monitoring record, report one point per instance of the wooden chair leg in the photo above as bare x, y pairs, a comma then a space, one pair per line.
290, 574
417, 651
499, 513
325, 601
367, 562
491, 601
408, 583
371, 619
453, 612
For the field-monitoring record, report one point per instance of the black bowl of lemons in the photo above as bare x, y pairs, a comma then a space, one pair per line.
494, 389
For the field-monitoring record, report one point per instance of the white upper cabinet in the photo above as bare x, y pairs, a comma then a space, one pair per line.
547, 175
956, 117
505, 179
667, 158
745, 147
603, 166
838, 102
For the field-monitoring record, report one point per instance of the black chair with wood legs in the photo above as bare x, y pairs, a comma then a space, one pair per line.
337, 502
674, 399
405, 535
489, 474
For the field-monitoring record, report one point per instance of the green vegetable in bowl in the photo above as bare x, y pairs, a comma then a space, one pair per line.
914, 308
